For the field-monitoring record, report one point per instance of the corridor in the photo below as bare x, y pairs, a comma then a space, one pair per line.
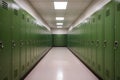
60, 64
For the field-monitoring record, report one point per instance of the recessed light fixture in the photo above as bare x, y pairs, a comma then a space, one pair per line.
59, 18
59, 23
60, 5
59, 26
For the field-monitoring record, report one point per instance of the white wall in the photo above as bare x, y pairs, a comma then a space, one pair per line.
59, 31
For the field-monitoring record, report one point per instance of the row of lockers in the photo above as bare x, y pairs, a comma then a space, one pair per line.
59, 40
96, 41
22, 41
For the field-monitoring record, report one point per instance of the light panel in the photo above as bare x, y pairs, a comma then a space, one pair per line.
59, 18
59, 23
59, 26
60, 5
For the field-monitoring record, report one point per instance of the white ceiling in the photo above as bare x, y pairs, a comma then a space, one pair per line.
76, 12
45, 8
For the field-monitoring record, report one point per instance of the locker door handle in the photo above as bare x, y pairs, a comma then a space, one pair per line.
1, 45
92, 42
116, 44
21, 43
105, 43
13, 44
97, 43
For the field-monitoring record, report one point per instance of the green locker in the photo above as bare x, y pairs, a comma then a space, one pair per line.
15, 44
30, 42
5, 40
83, 51
109, 41
34, 41
93, 42
22, 43
59, 39
82, 44
117, 40
27, 41
99, 43
88, 42
86, 36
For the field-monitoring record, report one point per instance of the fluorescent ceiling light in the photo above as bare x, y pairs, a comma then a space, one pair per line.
59, 24
60, 5
59, 18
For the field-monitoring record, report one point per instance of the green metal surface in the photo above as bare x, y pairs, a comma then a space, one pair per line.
93, 41
117, 40
99, 43
15, 43
22, 41
109, 41
59, 40
5, 40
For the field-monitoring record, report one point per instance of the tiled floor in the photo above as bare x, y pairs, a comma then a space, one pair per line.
60, 64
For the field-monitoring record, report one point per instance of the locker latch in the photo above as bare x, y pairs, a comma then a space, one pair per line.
116, 44
105, 43
1, 45
13, 44
97, 43
92, 42
21, 43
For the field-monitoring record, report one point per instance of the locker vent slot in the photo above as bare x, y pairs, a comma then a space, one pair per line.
118, 7
27, 19
15, 73
4, 5
15, 12
99, 17
6, 78
23, 16
108, 12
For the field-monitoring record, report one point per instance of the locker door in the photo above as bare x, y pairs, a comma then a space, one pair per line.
89, 46
59, 40
109, 41
22, 44
27, 42
94, 42
30, 43
87, 42
90, 42
5, 40
31, 38
117, 39
15, 44
100, 39
85, 35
